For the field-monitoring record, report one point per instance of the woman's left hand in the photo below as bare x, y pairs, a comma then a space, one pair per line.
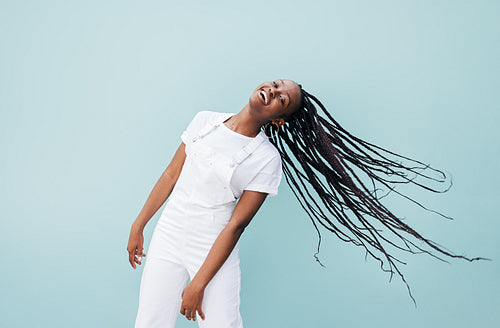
192, 297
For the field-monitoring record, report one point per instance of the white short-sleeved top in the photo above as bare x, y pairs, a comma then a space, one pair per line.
261, 171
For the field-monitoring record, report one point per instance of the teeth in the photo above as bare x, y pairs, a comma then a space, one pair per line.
265, 96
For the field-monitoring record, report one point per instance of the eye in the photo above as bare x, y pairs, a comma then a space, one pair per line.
281, 98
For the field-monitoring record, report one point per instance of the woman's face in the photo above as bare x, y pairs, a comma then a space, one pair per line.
275, 99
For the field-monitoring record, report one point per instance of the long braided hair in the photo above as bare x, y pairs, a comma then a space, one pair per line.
322, 147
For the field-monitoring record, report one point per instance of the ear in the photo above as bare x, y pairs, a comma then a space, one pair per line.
278, 121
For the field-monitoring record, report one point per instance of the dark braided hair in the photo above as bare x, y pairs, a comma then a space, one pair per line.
324, 147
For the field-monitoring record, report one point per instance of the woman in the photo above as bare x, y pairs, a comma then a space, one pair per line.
221, 174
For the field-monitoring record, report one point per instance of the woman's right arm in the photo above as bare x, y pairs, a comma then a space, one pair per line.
162, 189
157, 197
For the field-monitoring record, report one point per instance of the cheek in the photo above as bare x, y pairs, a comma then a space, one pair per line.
277, 107
254, 101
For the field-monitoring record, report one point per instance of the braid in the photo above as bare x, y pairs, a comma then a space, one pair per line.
322, 148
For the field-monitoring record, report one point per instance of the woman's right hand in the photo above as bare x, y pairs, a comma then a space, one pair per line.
135, 242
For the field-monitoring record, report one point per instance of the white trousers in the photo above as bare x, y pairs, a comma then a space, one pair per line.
179, 245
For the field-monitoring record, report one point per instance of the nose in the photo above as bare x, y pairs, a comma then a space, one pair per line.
271, 92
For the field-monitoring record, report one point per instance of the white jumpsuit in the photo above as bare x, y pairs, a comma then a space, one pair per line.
199, 207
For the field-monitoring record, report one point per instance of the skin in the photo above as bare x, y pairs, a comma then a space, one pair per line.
283, 99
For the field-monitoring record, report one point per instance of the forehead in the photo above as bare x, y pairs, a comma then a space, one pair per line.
290, 87
293, 91
288, 84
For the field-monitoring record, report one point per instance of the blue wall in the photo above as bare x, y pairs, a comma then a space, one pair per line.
95, 94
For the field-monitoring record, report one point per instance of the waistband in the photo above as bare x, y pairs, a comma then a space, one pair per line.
192, 209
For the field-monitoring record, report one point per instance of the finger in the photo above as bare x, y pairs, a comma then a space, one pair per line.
135, 257
131, 259
200, 312
193, 315
182, 308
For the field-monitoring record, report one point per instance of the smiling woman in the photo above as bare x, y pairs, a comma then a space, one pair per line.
225, 168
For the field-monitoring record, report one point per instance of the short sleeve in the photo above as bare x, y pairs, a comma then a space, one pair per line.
268, 178
193, 127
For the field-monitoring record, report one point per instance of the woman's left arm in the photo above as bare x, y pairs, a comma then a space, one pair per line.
192, 296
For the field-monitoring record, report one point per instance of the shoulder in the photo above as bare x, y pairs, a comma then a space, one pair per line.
197, 122
269, 153
205, 116
201, 118
270, 149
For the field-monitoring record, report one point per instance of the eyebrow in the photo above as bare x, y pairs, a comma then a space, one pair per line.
283, 83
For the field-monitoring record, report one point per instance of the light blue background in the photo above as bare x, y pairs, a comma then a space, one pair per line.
95, 94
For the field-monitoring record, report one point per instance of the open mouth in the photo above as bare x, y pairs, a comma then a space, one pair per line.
263, 96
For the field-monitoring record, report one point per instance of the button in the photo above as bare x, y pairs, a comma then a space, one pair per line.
225, 187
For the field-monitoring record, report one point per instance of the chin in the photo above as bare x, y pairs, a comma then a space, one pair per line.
255, 102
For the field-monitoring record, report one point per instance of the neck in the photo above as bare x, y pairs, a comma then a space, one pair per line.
244, 123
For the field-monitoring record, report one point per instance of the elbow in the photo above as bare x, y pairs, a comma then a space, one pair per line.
238, 229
